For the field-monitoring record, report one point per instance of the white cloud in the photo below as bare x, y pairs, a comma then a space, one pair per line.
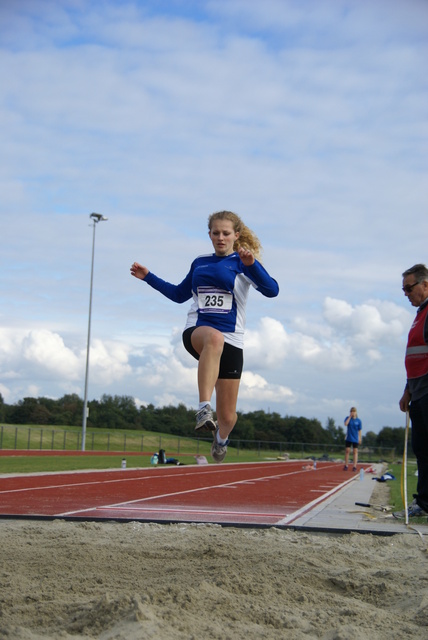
255, 388
109, 361
162, 370
47, 350
344, 336
268, 345
38, 358
366, 325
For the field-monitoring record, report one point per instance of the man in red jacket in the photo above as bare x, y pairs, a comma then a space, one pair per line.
415, 396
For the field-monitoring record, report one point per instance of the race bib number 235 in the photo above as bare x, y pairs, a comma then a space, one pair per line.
211, 300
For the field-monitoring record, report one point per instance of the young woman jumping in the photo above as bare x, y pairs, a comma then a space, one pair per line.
218, 284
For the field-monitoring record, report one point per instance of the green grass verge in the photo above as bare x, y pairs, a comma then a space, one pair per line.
395, 489
43, 464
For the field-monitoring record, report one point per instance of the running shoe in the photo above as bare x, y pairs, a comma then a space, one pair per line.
204, 419
218, 451
345, 468
413, 511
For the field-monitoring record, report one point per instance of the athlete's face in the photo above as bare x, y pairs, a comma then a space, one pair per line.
223, 237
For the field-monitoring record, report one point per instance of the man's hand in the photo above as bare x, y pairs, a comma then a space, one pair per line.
405, 400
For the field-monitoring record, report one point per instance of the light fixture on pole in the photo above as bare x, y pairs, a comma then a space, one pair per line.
95, 217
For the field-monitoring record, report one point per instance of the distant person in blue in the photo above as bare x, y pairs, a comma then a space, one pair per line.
353, 437
218, 285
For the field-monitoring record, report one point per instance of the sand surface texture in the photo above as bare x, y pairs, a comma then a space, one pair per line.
131, 581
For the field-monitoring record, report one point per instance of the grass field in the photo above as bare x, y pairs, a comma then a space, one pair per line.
396, 498
66, 438
395, 486
136, 447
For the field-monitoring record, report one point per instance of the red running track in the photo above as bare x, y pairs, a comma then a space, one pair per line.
266, 493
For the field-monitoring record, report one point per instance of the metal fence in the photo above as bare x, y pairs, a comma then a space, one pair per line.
35, 438
44, 439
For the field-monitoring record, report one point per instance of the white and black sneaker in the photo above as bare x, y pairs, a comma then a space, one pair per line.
204, 419
218, 451
413, 511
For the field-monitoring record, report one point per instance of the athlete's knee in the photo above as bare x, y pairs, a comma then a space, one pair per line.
209, 339
227, 419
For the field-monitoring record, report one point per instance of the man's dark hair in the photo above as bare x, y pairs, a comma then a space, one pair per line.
419, 271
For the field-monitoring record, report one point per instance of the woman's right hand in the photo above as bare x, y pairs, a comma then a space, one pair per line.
138, 271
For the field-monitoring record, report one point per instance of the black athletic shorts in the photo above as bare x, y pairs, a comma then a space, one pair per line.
231, 361
349, 444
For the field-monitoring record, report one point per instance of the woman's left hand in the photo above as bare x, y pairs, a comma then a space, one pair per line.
246, 257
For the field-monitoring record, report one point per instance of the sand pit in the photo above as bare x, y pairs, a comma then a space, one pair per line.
110, 581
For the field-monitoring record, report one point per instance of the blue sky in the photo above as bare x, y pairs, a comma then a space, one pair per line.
309, 119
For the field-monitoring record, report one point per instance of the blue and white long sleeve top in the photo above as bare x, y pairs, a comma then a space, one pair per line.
218, 286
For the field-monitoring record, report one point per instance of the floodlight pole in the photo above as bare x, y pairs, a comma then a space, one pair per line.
95, 217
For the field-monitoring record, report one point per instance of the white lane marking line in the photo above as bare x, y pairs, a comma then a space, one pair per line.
65, 486
179, 493
312, 504
150, 476
92, 482
201, 511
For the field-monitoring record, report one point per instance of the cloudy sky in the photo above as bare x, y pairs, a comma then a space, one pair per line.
306, 117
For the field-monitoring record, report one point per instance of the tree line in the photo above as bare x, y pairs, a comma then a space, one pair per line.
121, 412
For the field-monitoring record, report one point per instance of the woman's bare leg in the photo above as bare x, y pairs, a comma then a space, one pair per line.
209, 343
347, 452
226, 400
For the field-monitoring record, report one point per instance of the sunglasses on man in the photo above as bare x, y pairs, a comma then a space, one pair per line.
408, 288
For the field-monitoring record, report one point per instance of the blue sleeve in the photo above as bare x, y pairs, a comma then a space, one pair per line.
175, 292
262, 280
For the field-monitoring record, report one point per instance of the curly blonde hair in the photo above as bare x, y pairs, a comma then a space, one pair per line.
247, 238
